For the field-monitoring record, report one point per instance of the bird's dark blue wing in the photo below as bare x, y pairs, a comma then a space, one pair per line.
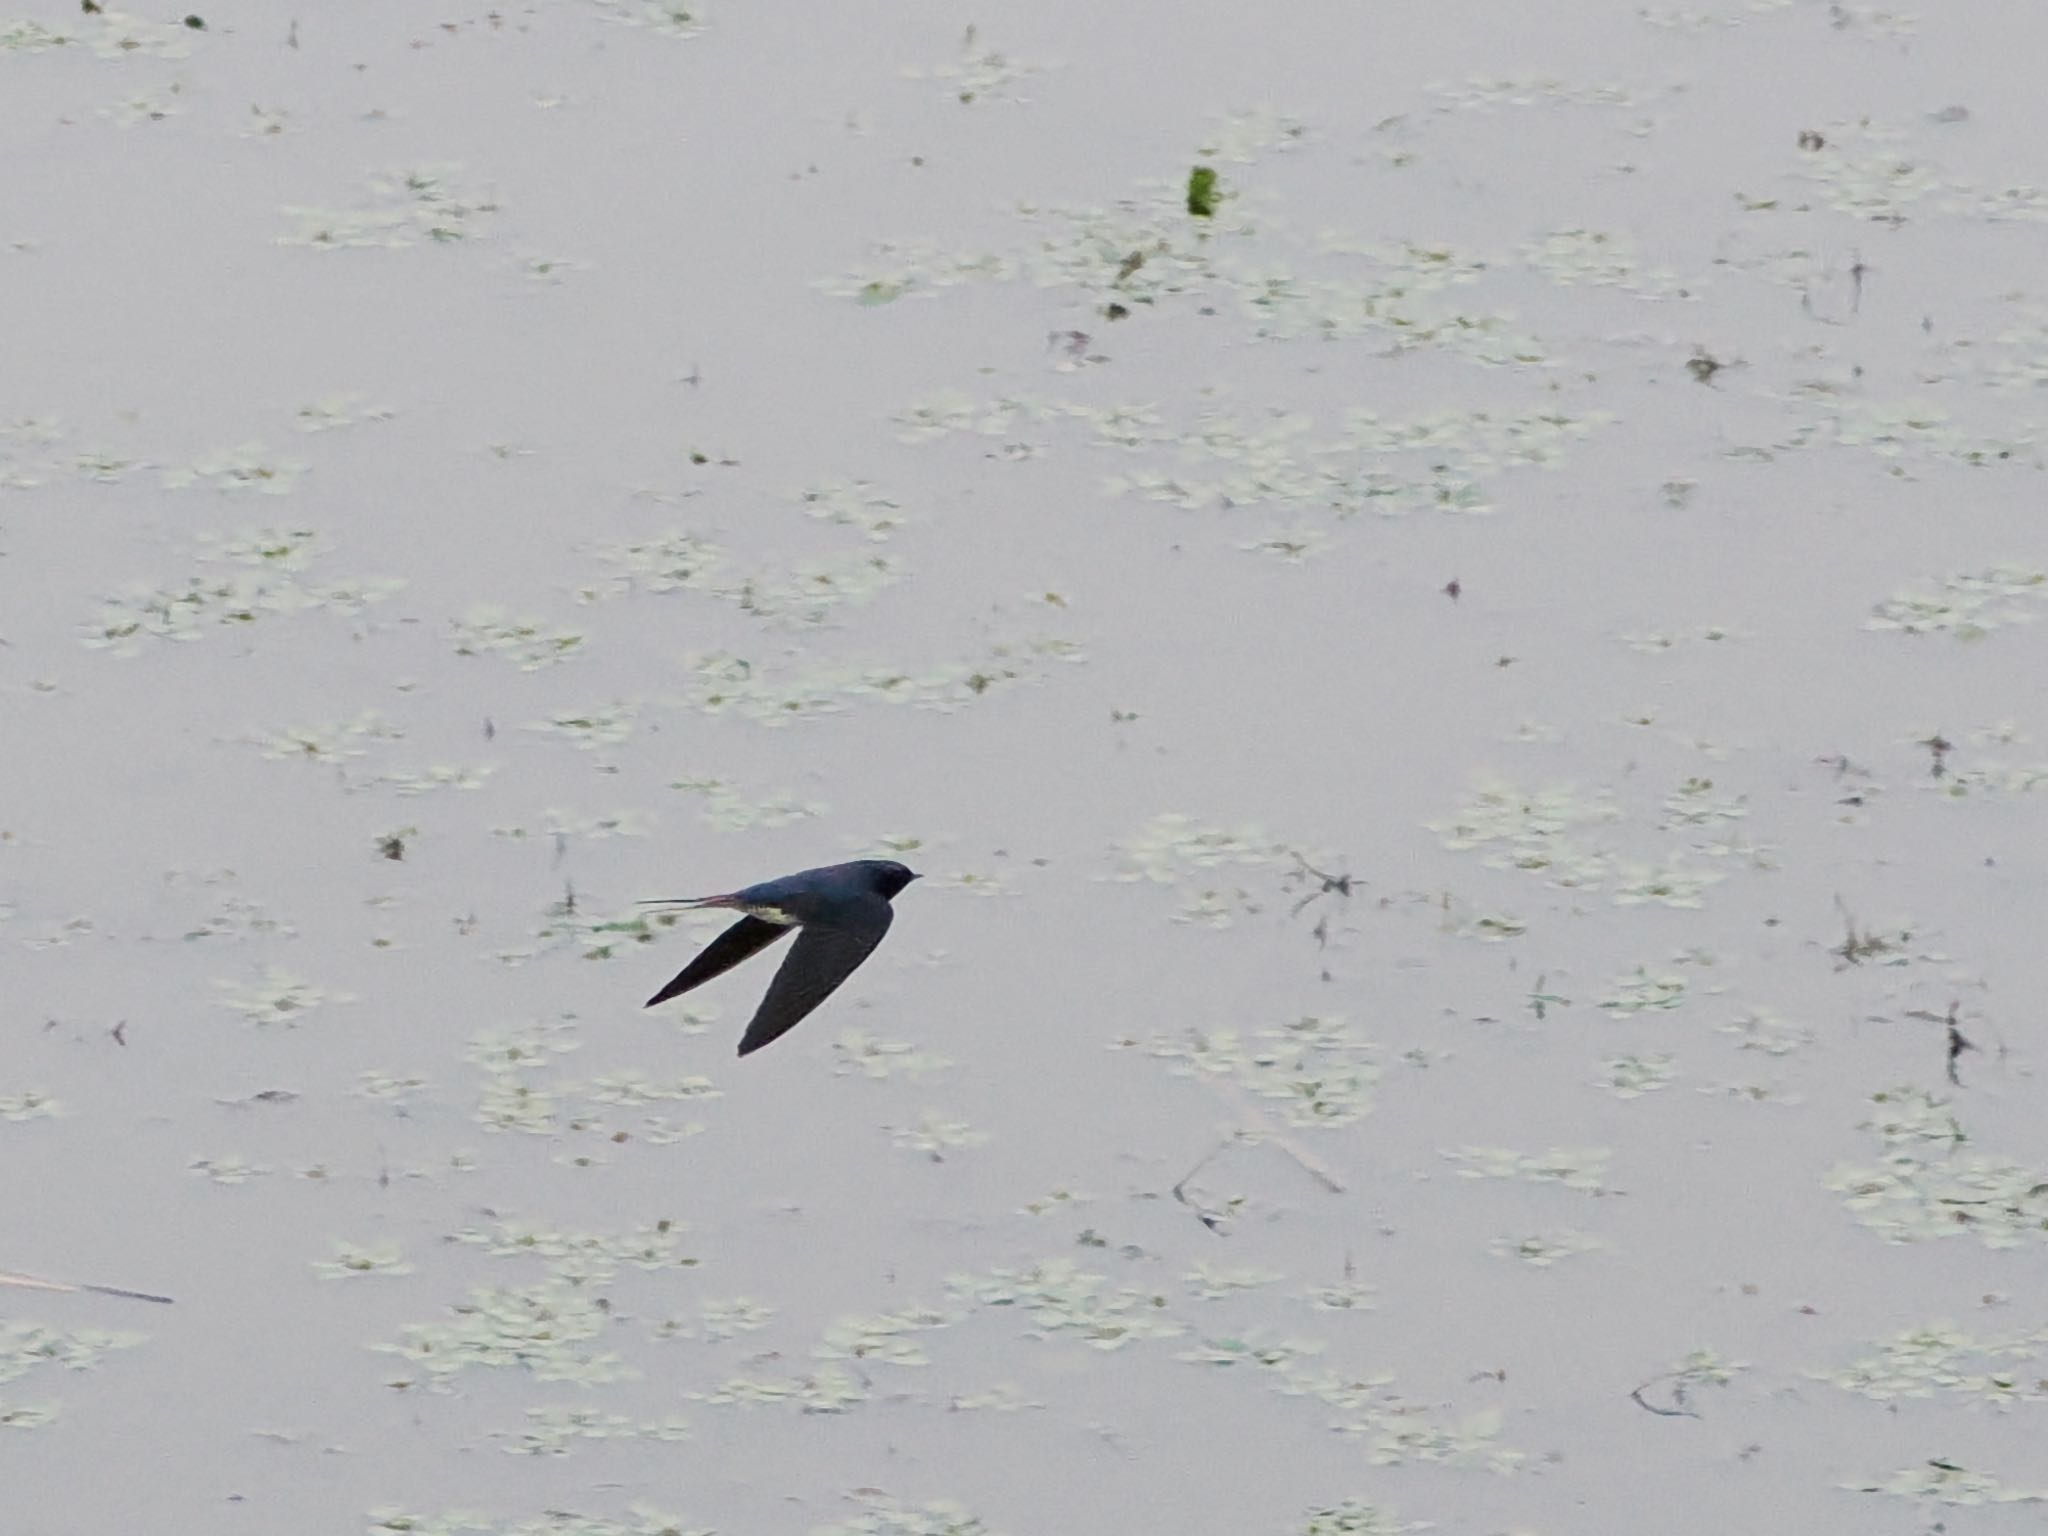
748, 936
826, 953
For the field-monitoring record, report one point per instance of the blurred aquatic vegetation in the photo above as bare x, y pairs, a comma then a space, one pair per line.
1581, 1168
1940, 1359
398, 208
263, 579
1927, 1186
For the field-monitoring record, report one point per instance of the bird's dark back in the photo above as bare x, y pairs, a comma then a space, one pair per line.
818, 890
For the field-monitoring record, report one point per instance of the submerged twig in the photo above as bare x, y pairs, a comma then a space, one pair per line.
1958, 1042
1260, 1124
31, 1283
1208, 1218
1677, 1396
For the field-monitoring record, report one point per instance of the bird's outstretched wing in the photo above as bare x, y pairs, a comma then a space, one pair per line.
748, 936
826, 953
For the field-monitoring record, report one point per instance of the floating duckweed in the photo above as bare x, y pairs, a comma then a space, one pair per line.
1293, 545
721, 682
1927, 1187
1001, 1398
110, 34
1064, 1299
632, 1087
1991, 776
731, 1317
1894, 430
258, 586
949, 410
1659, 642
885, 1338
1059, 1201
521, 1047
1243, 136
557, 822
1694, 804
730, 811
280, 998
1573, 1167
399, 208
1277, 462
1630, 1077
553, 1431
807, 593
26, 1347
640, 1520
858, 1051
1667, 885
1598, 257
854, 504
29, 1104
676, 561
249, 467
1945, 1482
351, 1261
1355, 1517
677, 18
1252, 1349
594, 1254
1315, 1075
549, 1330
603, 725
979, 74
1754, 1093
1966, 606
831, 1390
524, 642
1643, 992
1470, 1442
1485, 93
106, 468
328, 743
1530, 831
146, 107
935, 1135
1763, 1030
1861, 172
882, 1515
435, 776
232, 1169
1172, 849
346, 409
1212, 1282
1346, 1296
1540, 1251
569, 925
388, 1087
1941, 1359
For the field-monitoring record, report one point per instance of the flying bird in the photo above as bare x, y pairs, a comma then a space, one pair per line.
843, 910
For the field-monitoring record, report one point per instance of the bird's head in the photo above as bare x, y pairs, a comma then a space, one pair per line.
889, 877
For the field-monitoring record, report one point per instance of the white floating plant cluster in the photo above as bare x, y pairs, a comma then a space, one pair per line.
397, 209
1930, 1185
242, 580
1967, 606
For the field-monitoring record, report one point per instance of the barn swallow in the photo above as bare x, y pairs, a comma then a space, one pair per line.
843, 910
